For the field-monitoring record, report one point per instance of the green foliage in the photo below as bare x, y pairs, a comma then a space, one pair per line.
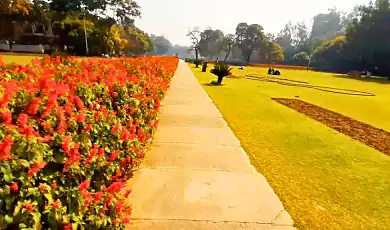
198, 62
189, 60
221, 70
161, 45
300, 59
249, 38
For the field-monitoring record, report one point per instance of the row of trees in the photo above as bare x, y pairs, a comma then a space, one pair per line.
248, 42
337, 41
108, 25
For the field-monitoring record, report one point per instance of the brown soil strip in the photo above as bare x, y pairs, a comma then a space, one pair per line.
367, 134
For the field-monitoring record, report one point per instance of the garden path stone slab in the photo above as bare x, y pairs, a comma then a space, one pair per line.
196, 175
194, 156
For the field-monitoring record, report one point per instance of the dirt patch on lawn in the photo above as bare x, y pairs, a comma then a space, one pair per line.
367, 134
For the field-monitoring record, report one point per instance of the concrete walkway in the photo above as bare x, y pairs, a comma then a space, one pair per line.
196, 175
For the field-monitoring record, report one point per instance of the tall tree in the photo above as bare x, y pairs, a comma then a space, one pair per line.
328, 25
211, 43
248, 38
194, 35
161, 45
368, 38
227, 46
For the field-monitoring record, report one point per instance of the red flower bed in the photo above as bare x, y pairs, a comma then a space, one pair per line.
71, 132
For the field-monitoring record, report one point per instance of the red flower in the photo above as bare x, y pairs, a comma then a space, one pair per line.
101, 153
115, 187
114, 95
66, 144
6, 116
98, 195
119, 206
80, 117
56, 204
67, 226
54, 186
14, 187
84, 186
5, 148
35, 169
116, 128
29, 207
33, 107
42, 187
127, 193
97, 116
79, 103
113, 156
115, 222
125, 220
88, 128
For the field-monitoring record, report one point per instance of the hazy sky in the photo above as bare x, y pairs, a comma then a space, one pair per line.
172, 18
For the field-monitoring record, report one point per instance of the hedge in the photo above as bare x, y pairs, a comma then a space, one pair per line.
71, 132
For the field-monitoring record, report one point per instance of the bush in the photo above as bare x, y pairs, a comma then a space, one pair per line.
189, 60
71, 132
198, 62
221, 70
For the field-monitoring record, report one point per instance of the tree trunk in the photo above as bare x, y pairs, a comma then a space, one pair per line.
220, 80
227, 55
196, 54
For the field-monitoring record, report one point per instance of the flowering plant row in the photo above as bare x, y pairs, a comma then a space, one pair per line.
71, 131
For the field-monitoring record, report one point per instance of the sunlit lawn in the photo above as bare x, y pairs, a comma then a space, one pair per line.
9, 58
325, 179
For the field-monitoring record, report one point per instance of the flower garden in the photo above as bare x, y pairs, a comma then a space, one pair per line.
71, 132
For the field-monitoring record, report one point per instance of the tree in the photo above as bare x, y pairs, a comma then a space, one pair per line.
211, 43
368, 38
285, 40
331, 56
161, 45
274, 52
122, 12
194, 35
327, 26
300, 37
248, 38
301, 59
227, 46
9, 7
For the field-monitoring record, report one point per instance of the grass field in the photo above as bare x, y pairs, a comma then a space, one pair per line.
16, 58
325, 179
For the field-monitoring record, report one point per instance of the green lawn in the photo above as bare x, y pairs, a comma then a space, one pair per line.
16, 58
325, 179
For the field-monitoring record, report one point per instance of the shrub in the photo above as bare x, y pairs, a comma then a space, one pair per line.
189, 60
71, 131
221, 70
198, 62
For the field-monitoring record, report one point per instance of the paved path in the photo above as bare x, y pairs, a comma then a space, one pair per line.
196, 175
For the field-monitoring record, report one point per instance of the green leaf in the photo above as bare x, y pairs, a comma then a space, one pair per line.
9, 219
17, 208
74, 226
22, 225
7, 174
49, 197
37, 221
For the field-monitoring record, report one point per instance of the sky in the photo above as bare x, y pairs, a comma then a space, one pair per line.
173, 18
